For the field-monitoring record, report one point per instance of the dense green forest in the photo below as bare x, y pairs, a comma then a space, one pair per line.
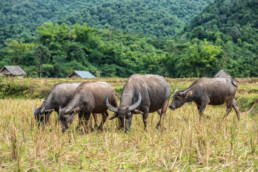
113, 43
160, 18
233, 25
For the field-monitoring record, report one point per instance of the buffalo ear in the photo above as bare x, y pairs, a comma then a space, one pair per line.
76, 109
189, 94
115, 115
136, 111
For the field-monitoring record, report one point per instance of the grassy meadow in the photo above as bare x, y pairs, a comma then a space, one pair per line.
182, 144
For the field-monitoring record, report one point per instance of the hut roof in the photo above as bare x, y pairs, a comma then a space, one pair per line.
82, 74
13, 70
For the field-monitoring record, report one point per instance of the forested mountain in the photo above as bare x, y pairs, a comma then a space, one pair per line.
20, 18
233, 25
159, 18
235, 18
223, 36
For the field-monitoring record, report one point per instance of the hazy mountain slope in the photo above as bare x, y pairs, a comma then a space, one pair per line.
235, 18
159, 18
20, 18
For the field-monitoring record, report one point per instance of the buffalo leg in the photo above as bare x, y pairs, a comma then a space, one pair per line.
84, 120
229, 107
80, 122
162, 113
201, 108
144, 118
104, 118
95, 120
236, 110
228, 111
234, 102
46, 118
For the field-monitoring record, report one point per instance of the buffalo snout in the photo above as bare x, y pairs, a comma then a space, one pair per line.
172, 107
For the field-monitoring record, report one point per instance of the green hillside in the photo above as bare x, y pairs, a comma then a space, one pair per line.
160, 18
237, 19
56, 48
232, 25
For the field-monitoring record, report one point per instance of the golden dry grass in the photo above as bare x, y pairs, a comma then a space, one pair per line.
184, 144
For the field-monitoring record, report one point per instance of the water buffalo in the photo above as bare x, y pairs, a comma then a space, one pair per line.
142, 94
59, 95
213, 91
88, 98
223, 74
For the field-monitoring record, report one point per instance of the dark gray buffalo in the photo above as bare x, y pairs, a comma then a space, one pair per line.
204, 91
223, 74
59, 95
88, 98
142, 94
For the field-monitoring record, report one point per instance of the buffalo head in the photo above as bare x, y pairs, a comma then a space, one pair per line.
42, 115
179, 98
66, 116
124, 113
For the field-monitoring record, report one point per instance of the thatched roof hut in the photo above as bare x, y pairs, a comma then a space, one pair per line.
12, 71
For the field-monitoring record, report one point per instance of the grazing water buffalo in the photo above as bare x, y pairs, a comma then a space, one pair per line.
223, 74
88, 98
142, 94
213, 91
59, 95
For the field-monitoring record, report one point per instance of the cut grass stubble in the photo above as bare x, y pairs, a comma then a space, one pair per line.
183, 143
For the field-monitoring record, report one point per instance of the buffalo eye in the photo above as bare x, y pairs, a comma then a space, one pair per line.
129, 114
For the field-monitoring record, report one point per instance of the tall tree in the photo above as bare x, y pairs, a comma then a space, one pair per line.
43, 55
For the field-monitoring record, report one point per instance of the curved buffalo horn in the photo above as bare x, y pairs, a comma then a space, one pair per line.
115, 115
110, 107
42, 110
135, 105
175, 91
34, 109
68, 111
59, 113
184, 92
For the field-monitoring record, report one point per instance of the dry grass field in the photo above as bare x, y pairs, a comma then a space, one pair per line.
183, 144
